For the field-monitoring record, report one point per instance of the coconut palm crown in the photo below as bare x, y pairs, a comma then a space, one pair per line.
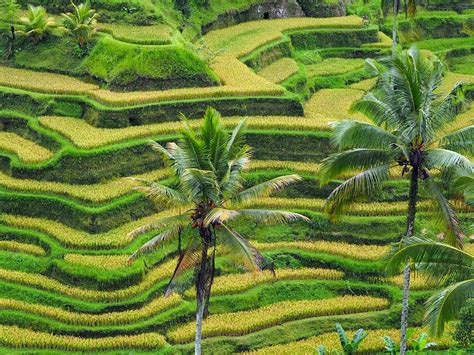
36, 23
81, 22
440, 263
207, 197
412, 127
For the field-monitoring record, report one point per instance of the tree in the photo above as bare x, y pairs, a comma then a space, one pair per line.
10, 10
410, 131
36, 24
440, 263
396, 8
208, 166
81, 23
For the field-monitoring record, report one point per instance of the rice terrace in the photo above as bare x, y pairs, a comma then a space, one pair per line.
236, 176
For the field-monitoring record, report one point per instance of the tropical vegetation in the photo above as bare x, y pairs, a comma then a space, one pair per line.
79, 129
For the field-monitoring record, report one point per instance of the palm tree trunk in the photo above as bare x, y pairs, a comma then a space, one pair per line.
406, 272
394, 30
201, 281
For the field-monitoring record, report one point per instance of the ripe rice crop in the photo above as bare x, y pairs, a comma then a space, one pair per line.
95, 192
372, 344
451, 78
13, 246
240, 282
417, 282
238, 80
321, 106
43, 81
68, 236
43, 282
274, 314
384, 42
353, 251
364, 209
156, 306
154, 34
107, 262
297, 166
242, 39
365, 85
334, 66
20, 338
280, 70
26, 150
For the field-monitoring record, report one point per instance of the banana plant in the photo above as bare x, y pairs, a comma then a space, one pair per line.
349, 347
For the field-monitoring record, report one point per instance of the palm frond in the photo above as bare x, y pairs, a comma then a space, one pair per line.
236, 140
201, 185
177, 220
164, 194
445, 305
446, 159
461, 140
241, 249
352, 160
362, 184
354, 134
265, 189
447, 216
436, 260
190, 257
157, 241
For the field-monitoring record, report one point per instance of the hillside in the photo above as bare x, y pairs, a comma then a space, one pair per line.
75, 124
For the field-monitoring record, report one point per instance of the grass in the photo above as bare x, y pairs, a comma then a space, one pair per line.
334, 66
280, 70
26, 150
251, 321
463, 65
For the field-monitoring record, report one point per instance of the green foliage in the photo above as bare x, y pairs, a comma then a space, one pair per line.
349, 347
36, 23
81, 23
9, 10
419, 344
463, 334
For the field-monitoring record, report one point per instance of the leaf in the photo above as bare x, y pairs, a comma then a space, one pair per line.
265, 189
342, 336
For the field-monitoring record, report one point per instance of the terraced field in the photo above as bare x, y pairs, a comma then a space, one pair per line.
68, 206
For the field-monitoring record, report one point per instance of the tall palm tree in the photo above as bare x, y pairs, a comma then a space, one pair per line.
396, 8
81, 23
208, 166
36, 23
439, 262
410, 130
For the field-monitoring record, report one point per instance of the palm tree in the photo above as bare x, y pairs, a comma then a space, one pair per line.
439, 262
81, 23
409, 131
396, 7
208, 166
36, 24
